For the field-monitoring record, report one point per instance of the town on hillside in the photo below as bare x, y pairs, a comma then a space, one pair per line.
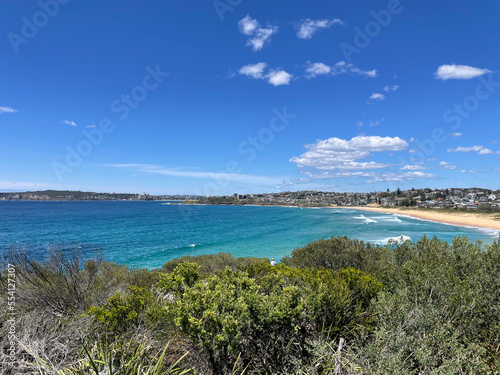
452, 198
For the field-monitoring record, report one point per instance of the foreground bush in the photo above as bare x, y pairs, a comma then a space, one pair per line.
440, 309
407, 308
266, 314
337, 253
121, 312
210, 263
50, 299
65, 284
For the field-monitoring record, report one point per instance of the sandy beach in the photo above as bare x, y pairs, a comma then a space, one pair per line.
470, 219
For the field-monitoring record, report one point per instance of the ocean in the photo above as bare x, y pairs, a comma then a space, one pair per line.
150, 233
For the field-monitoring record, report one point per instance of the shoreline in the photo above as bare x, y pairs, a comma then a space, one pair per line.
464, 219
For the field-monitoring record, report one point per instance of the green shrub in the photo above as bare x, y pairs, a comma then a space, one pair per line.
266, 313
185, 275
211, 263
443, 314
121, 274
338, 253
121, 312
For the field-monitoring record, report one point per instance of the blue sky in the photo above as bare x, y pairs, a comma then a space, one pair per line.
217, 97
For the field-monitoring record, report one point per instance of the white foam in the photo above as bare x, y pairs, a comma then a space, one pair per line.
366, 220
489, 231
391, 218
399, 239
192, 245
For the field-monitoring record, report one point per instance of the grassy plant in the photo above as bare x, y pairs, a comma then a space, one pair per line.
125, 359
62, 284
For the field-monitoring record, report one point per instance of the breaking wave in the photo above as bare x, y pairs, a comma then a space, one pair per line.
365, 219
399, 239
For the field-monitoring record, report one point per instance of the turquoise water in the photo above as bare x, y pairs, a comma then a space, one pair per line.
148, 234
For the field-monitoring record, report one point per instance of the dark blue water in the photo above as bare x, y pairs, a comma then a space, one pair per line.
148, 234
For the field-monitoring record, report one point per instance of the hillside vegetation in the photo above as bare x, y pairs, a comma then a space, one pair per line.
406, 308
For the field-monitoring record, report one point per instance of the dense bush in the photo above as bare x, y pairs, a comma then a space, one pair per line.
337, 253
427, 307
121, 312
440, 309
265, 314
210, 263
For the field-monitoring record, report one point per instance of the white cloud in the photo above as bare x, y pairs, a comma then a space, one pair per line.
90, 126
412, 168
7, 110
408, 176
466, 149
258, 36
219, 176
353, 165
447, 165
261, 37
72, 123
486, 151
275, 77
366, 73
481, 150
307, 28
375, 176
279, 77
455, 135
376, 97
411, 175
342, 174
342, 67
248, 25
391, 88
315, 69
254, 71
286, 184
359, 124
376, 123
336, 153
446, 72
416, 174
